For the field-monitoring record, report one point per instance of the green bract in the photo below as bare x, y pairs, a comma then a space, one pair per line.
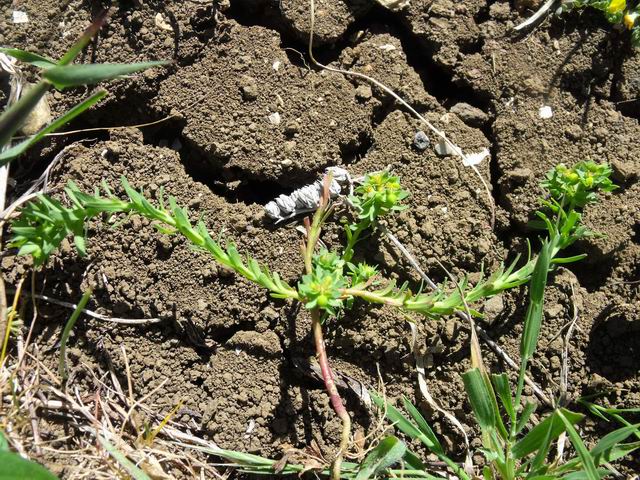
322, 289
380, 193
578, 185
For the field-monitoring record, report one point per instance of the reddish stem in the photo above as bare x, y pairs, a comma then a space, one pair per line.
332, 390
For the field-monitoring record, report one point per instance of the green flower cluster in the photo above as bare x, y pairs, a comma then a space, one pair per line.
578, 186
380, 193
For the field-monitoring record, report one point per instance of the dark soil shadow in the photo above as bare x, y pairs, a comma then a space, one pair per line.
614, 344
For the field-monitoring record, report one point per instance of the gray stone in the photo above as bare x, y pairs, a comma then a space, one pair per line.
421, 141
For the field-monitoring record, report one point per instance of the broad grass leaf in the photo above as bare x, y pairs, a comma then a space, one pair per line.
30, 58
388, 452
550, 427
13, 466
584, 454
480, 399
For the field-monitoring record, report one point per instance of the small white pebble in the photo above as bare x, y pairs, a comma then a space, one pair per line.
444, 210
274, 118
545, 112
276, 65
387, 47
20, 17
162, 24
104, 152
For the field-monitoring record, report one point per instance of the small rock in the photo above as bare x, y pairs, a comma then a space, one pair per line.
443, 149
493, 307
274, 118
364, 92
421, 141
472, 116
624, 172
519, 176
249, 88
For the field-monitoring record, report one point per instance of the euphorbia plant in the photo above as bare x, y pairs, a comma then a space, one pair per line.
332, 281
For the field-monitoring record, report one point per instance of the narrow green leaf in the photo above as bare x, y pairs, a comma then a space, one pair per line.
84, 40
17, 150
399, 420
528, 409
87, 74
4, 444
388, 452
62, 366
423, 426
533, 318
612, 439
501, 384
124, 462
14, 467
572, 259
531, 441
584, 454
28, 57
480, 399
14, 117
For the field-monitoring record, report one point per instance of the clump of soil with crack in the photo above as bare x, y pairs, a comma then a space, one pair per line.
250, 119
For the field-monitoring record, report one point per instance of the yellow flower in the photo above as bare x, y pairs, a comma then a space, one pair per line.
617, 6
630, 20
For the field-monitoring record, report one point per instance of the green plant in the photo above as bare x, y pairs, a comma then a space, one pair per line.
13, 466
617, 12
59, 74
332, 281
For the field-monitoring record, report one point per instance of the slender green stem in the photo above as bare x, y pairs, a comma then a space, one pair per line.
12, 119
62, 366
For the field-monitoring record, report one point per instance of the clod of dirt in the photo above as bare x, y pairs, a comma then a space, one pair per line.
381, 55
472, 116
445, 27
332, 18
228, 97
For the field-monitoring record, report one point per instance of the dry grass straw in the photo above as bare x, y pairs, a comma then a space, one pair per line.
66, 428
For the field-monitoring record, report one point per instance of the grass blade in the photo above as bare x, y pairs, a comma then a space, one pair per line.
501, 384
480, 399
388, 452
86, 74
17, 150
62, 366
30, 58
584, 454
14, 117
129, 466
424, 427
13, 466
532, 440
84, 40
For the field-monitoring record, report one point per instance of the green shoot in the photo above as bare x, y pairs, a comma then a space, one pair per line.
59, 75
332, 283
62, 362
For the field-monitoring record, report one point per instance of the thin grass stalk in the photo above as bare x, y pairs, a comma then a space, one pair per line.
62, 365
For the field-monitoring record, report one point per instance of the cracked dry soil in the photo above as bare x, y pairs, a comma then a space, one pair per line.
251, 120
